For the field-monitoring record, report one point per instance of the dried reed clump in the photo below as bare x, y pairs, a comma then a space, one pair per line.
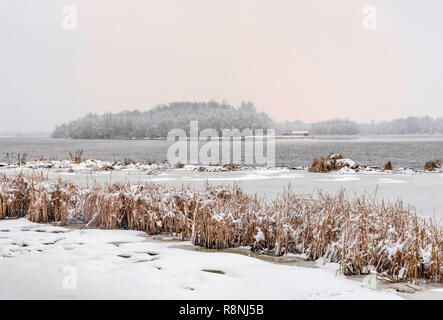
36, 198
229, 167
319, 165
433, 165
22, 159
388, 166
335, 162
331, 163
151, 208
77, 156
14, 197
128, 161
180, 165
360, 234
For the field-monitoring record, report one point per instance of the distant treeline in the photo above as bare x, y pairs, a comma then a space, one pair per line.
410, 125
331, 127
157, 122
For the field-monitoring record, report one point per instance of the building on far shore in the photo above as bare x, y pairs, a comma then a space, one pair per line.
295, 135
300, 133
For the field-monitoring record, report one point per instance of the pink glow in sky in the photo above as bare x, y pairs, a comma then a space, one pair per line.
296, 60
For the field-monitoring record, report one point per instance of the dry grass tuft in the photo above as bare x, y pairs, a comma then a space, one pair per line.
217, 168
319, 165
433, 165
230, 167
22, 159
180, 165
360, 234
77, 156
128, 161
331, 163
388, 166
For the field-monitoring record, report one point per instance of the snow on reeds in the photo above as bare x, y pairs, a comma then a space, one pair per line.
361, 234
335, 162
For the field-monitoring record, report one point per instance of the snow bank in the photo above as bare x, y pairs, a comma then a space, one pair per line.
117, 264
91, 165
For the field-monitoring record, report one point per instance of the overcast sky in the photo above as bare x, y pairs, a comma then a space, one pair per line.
295, 59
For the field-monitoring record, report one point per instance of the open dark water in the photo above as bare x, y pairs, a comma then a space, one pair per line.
403, 151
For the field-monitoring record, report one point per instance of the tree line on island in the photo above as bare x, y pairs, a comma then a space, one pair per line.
157, 122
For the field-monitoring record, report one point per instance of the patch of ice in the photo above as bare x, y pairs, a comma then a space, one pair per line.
383, 181
341, 179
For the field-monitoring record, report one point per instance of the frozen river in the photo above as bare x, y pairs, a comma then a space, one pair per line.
403, 151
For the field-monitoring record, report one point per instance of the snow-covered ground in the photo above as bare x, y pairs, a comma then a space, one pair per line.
48, 262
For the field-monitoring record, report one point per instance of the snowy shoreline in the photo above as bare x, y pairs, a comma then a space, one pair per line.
347, 166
